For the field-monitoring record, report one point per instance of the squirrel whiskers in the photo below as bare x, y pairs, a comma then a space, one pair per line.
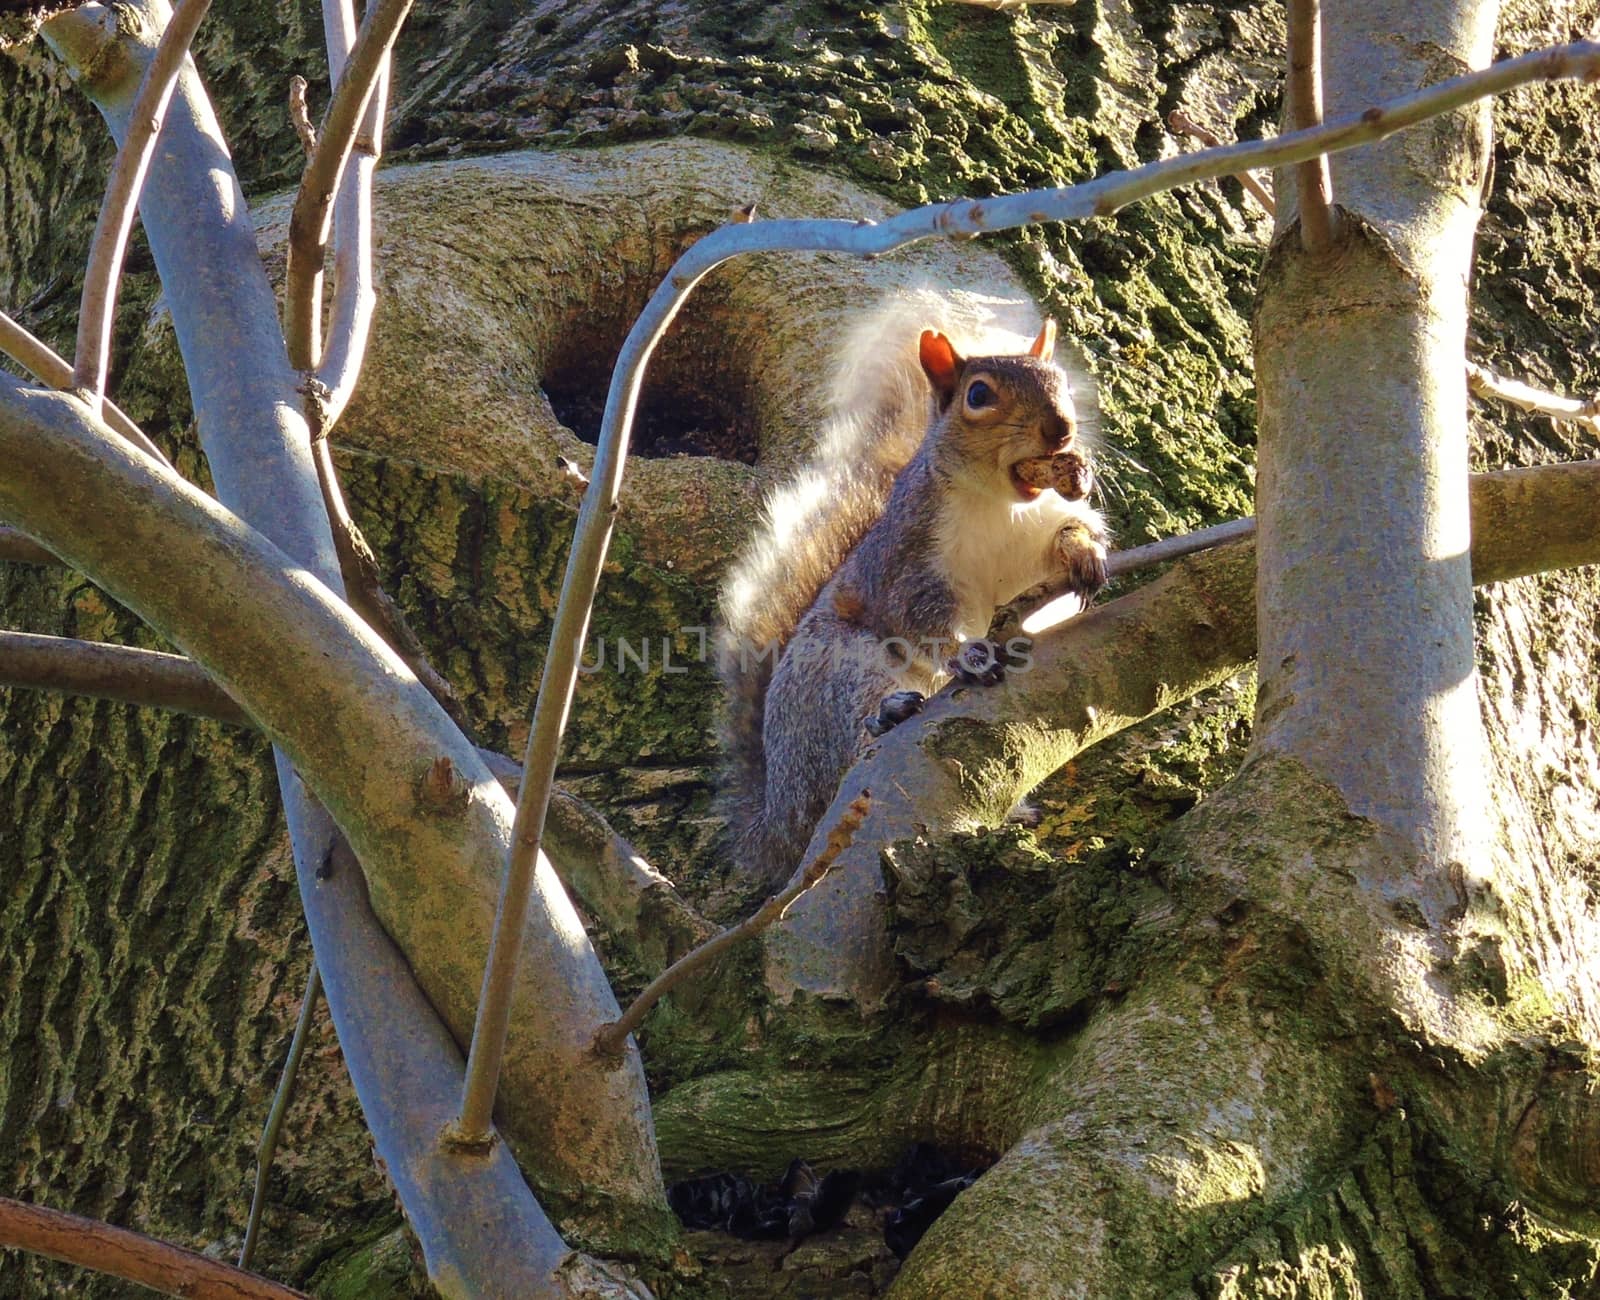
944, 486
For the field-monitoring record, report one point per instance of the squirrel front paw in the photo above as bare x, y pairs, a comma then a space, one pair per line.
1082, 553
895, 709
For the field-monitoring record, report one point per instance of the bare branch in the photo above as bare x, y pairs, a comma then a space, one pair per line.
19, 548
268, 1145
308, 223
42, 362
1527, 521
1318, 221
354, 298
609, 1041
131, 1256
1056, 606
628, 896
1180, 123
1486, 383
964, 217
114, 672
476, 1220
363, 584
115, 223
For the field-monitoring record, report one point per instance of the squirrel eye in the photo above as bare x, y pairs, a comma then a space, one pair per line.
979, 395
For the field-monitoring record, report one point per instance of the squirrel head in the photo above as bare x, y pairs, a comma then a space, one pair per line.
993, 413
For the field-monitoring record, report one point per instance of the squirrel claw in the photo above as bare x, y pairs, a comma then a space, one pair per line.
895, 709
979, 663
1085, 563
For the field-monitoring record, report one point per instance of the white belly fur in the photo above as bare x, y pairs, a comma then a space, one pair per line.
994, 549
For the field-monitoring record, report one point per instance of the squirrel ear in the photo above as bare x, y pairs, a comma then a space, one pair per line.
1045, 345
941, 363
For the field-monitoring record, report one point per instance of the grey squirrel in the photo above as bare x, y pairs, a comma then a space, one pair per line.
921, 514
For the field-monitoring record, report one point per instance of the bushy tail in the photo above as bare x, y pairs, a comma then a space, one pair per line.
880, 410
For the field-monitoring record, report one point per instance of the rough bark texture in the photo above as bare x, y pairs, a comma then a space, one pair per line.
152, 948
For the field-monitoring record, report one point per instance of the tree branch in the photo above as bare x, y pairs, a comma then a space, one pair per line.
97, 306
268, 1146
308, 222
1318, 220
629, 897
1180, 123
477, 1222
608, 1043
363, 584
131, 1256
19, 548
1486, 383
41, 361
354, 299
1527, 521
114, 672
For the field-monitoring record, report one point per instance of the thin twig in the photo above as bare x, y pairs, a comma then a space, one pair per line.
328, 392
1319, 223
280, 1107
1172, 548
1486, 383
354, 297
1056, 606
300, 115
964, 217
1180, 123
115, 223
309, 220
40, 361
609, 1040
131, 1256
363, 584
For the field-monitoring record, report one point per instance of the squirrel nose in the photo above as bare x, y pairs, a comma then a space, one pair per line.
1056, 430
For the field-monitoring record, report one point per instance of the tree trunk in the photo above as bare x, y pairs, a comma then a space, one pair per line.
1214, 1053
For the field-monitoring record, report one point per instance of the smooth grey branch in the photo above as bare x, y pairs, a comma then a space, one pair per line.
363, 734
309, 220
354, 298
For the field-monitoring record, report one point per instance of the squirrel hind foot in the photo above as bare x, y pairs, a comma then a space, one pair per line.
979, 663
895, 709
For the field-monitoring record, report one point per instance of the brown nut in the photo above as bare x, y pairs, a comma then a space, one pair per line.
1067, 472
1039, 472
